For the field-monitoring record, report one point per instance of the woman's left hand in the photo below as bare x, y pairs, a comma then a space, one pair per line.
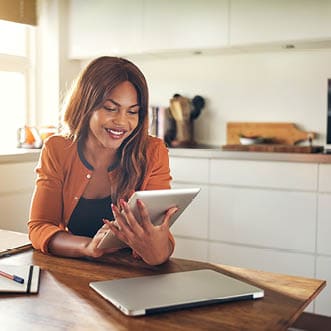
147, 240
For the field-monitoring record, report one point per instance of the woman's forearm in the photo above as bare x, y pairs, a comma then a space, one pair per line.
66, 244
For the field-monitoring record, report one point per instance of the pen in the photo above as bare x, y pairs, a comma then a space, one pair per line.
12, 277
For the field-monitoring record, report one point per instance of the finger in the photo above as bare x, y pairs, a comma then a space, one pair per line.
117, 232
145, 218
170, 212
130, 217
120, 220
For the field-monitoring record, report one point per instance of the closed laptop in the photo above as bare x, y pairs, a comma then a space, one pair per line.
152, 294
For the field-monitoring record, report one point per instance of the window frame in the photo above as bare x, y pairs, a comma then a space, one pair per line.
25, 64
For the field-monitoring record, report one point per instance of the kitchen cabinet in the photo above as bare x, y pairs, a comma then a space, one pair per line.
260, 211
255, 21
323, 271
17, 184
104, 27
135, 27
184, 24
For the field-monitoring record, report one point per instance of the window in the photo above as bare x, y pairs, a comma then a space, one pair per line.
16, 80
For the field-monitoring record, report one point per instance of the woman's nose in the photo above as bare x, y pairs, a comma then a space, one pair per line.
120, 117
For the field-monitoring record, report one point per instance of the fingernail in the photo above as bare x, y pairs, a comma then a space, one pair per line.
139, 201
122, 202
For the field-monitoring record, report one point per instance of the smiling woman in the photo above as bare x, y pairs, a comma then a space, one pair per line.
86, 173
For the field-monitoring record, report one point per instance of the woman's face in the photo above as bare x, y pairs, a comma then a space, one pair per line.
117, 118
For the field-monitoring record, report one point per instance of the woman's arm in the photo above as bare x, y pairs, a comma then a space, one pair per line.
66, 244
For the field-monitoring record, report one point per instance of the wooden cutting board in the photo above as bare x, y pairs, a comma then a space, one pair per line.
276, 148
283, 133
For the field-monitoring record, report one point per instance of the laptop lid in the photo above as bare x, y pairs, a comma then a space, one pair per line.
153, 294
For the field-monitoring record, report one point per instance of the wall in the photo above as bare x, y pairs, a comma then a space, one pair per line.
54, 71
284, 86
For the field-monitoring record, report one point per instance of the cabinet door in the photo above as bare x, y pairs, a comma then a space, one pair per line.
15, 194
267, 174
185, 24
323, 271
189, 170
104, 27
193, 223
191, 249
257, 21
263, 218
290, 263
324, 224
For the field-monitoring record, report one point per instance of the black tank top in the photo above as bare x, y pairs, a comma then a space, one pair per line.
86, 219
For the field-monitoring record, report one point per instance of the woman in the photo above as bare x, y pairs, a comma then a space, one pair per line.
85, 177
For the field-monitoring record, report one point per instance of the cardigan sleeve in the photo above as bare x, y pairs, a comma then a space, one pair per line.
158, 172
46, 205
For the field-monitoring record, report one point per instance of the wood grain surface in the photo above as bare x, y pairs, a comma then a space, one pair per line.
283, 133
273, 148
66, 302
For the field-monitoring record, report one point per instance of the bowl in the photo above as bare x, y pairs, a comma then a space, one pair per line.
251, 141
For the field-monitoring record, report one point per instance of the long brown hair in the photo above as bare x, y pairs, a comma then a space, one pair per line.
88, 94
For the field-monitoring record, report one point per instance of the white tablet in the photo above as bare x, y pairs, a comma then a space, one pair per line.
157, 203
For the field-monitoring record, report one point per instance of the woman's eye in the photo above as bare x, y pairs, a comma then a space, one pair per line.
133, 112
109, 108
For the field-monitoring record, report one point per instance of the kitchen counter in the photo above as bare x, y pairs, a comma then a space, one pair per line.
19, 155
217, 153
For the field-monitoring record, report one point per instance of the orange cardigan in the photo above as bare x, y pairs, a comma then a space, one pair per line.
62, 178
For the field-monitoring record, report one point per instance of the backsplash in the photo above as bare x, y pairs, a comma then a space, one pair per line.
285, 86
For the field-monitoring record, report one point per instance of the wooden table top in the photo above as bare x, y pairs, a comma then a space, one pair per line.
66, 302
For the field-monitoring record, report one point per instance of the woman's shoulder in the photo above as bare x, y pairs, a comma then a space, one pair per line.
156, 148
154, 143
59, 144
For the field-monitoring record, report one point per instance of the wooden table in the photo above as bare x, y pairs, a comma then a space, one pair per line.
65, 301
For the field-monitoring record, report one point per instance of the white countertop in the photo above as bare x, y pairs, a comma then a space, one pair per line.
214, 153
19, 155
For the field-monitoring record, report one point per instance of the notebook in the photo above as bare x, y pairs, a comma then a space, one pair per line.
153, 294
29, 273
13, 242
157, 203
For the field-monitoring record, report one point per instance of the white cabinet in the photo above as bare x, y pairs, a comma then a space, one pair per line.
265, 215
276, 175
185, 24
111, 27
257, 21
263, 218
131, 27
323, 271
104, 27
191, 249
17, 184
262, 259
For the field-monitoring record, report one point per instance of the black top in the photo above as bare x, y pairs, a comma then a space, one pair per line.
86, 219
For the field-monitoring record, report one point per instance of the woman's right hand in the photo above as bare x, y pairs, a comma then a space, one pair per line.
92, 250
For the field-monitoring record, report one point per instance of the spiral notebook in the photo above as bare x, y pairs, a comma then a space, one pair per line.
29, 273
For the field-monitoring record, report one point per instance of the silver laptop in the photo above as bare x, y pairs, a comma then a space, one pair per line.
154, 294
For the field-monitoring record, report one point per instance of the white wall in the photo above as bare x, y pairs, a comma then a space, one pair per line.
284, 86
